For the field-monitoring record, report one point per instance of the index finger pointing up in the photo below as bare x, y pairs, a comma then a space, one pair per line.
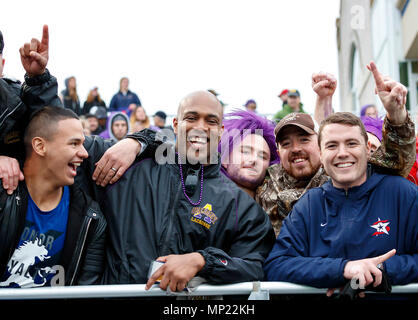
45, 35
378, 79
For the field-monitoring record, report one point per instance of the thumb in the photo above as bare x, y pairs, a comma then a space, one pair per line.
39, 58
162, 259
21, 176
385, 256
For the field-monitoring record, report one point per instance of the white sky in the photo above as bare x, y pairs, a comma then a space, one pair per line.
169, 48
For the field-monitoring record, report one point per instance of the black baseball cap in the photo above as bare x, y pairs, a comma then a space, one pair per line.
1, 43
161, 114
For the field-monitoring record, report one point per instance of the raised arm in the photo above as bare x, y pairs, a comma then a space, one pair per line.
324, 85
397, 152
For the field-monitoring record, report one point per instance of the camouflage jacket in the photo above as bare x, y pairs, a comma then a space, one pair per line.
280, 191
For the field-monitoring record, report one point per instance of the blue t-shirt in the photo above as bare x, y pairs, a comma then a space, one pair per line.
40, 246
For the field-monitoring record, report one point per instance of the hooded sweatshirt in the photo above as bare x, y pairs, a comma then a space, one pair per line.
108, 133
328, 227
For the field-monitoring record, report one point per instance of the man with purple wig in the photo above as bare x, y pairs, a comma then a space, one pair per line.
247, 149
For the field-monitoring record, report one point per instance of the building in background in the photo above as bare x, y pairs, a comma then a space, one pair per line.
385, 31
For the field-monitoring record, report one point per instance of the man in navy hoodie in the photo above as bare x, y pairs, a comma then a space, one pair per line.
352, 226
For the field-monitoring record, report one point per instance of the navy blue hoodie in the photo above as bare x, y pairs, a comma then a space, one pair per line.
328, 227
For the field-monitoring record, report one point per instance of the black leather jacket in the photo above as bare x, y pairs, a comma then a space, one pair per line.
83, 253
17, 104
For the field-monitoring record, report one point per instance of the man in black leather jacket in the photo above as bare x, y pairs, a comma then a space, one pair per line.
47, 223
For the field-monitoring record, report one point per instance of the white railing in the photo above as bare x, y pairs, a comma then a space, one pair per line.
255, 290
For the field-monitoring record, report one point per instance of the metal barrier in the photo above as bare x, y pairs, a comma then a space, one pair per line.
255, 290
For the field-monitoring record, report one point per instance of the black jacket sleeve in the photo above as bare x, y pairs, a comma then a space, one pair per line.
40, 91
150, 139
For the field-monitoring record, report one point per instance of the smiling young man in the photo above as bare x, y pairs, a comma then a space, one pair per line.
185, 213
47, 222
349, 227
344, 150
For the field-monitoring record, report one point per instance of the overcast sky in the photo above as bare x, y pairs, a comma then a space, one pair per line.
169, 48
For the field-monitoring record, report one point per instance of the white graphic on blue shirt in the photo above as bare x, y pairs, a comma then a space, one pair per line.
40, 246
21, 266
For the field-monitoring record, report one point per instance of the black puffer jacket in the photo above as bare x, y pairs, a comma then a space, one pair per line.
17, 104
84, 247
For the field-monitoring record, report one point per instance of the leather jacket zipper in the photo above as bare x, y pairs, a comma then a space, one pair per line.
81, 248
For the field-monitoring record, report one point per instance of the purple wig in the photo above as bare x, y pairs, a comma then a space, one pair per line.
238, 124
373, 125
364, 108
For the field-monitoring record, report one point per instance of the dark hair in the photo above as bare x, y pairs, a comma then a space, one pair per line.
1, 43
44, 122
345, 118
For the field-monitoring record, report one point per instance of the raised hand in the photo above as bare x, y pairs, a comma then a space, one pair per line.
35, 55
391, 93
324, 84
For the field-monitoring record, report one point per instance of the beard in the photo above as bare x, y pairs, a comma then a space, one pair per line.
251, 182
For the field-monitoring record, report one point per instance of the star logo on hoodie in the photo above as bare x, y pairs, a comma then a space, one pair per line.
381, 227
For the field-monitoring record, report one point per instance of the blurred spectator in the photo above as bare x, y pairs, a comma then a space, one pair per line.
93, 99
139, 119
159, 121
86, 125
69, 96
369, 110
101, 114
250, 105
117, 126
93, 123
293, 105
125, 100
283, 96
374, 131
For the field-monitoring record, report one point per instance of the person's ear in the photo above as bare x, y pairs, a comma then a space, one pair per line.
369, 148
175, 125
39, 146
